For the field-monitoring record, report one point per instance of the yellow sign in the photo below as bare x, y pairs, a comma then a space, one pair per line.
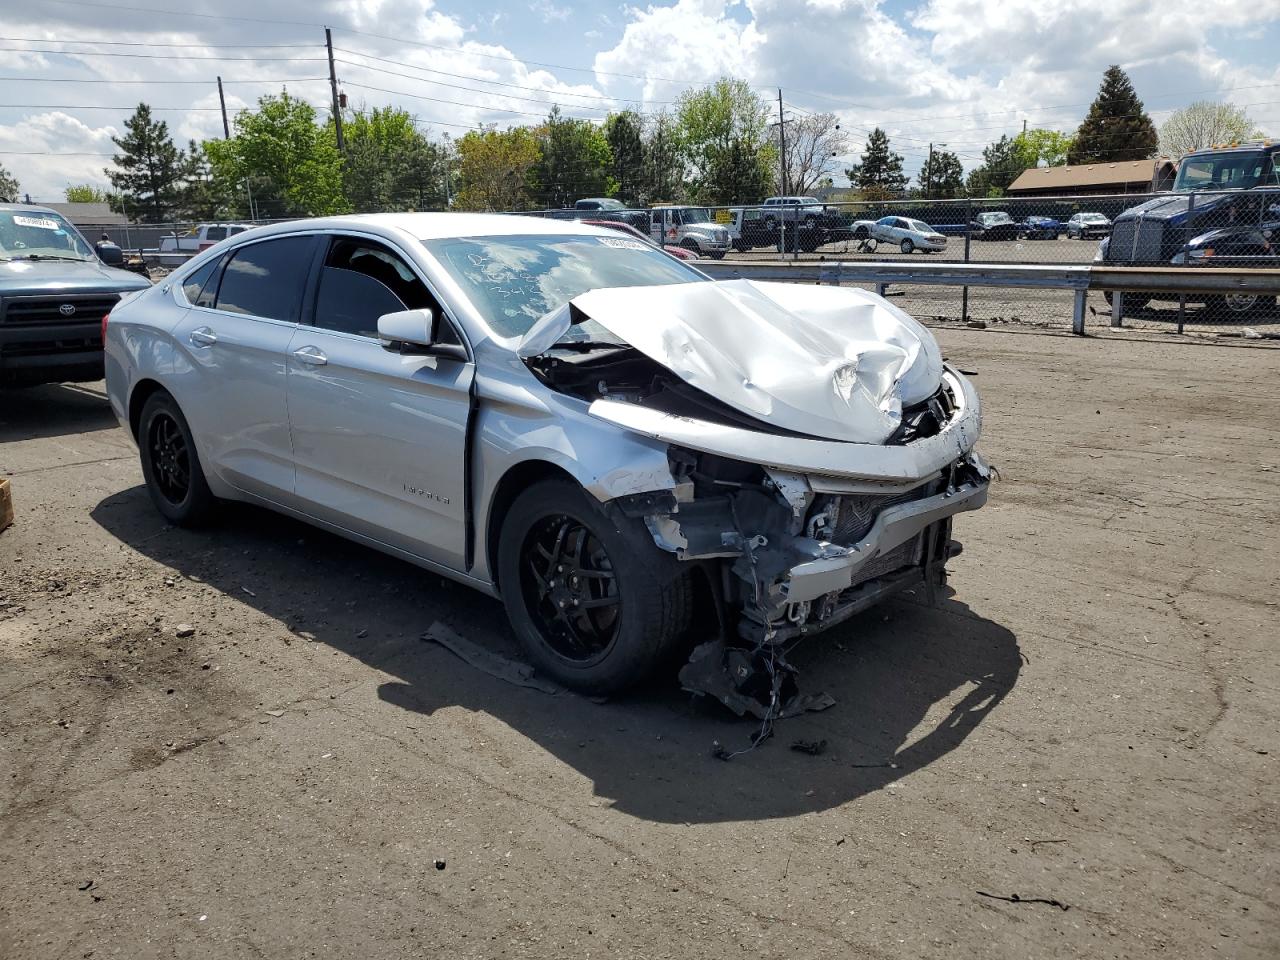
724, 216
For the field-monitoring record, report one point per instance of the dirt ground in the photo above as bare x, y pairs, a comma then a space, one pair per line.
1090, 719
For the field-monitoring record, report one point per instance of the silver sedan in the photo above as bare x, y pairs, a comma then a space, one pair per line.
628, 454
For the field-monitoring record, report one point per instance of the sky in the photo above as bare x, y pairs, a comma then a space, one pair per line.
959, 72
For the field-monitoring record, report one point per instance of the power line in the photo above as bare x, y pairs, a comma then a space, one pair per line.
85, 106
457, 103
149, 43
162, 56
150, 82
455, 86
464, 76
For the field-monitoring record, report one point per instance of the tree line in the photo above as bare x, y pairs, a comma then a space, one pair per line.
717, 145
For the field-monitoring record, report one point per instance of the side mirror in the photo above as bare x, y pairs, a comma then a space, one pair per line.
415, 331
415, 328
112, 256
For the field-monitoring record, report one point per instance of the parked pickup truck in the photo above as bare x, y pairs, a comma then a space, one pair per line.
54, 292
201, 237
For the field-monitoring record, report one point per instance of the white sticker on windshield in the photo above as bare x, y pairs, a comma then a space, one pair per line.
622, 243
40, 222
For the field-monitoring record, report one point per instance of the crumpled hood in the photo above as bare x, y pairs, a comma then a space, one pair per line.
832, 362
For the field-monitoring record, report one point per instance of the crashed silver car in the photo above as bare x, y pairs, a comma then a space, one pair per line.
633, 457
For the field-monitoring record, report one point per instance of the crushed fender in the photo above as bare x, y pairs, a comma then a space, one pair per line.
758, 682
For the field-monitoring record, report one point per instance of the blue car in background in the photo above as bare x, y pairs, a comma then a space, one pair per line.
1039, 228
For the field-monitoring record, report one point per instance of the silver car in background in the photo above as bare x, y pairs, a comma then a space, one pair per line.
630, 455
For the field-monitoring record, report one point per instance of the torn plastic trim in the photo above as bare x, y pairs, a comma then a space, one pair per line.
908, 464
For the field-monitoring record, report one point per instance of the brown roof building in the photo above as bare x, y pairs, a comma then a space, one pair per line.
1125, 176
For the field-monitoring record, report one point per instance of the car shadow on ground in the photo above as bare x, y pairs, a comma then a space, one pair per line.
911, 681
53, 410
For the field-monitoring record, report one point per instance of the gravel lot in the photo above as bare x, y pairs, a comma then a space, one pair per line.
1091, 719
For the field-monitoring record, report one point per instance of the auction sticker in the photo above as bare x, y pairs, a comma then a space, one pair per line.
622, 243
40, 222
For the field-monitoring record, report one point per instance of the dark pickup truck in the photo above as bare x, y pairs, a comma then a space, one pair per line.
54, 292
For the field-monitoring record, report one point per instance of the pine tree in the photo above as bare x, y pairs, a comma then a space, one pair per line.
1117, 127
943, 176
625, 134
879, 176
150, 171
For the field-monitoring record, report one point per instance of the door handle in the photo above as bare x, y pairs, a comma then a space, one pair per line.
312, 356
203, 337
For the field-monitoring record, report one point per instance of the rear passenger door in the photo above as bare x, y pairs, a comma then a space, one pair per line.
234, 339
378, 435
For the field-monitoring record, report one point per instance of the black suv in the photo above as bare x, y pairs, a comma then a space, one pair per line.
54, 292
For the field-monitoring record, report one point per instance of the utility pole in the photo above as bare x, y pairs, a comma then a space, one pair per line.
782, 152
226, 127
1024, 125
928, 179
333, 89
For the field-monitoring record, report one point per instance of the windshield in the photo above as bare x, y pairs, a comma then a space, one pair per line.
696, 215
1092, 217
993, 217
1220, 171
40, 234
514, 280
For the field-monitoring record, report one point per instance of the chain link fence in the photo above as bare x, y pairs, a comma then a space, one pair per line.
1199, 230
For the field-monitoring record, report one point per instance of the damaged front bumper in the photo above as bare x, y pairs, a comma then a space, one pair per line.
807, 533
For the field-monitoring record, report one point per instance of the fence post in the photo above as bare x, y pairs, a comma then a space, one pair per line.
1077, 311
964, 293
1117, 307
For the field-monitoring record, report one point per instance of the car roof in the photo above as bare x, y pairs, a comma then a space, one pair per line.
27, 208
441, 226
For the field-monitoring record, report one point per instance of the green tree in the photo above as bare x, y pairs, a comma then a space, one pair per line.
85, 193
1116, 127
389, 164
1037, 146
664, 163
149, 171
1002, 161
574, 161
493, 169
942, 176
624, 133
206, 196
879, 176
9, 188
723, 131
291, 164
1202, 124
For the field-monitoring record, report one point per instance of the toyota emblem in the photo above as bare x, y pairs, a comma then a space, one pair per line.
67, 309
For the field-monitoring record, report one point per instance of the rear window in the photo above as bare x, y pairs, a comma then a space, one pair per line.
266, 279
195, 283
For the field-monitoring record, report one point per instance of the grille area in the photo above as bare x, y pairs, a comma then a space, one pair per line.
906, 555
856, 514
1150, 236
38, 311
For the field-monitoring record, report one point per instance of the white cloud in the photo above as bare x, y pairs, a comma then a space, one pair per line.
46, 177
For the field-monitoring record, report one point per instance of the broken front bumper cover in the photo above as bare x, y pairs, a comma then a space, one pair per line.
834, 569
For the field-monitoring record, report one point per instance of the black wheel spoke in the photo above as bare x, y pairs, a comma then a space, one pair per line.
570, 588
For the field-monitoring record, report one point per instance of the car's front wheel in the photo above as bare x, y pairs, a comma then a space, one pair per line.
595, 603
170, 465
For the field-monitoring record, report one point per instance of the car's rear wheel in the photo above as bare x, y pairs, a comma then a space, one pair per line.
595, 603
1240, 306
906, 246
1132, 301
170, 464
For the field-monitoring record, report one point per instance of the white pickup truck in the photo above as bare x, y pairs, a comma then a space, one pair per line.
201, 237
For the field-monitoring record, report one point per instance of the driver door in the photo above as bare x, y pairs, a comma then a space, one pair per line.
379, 436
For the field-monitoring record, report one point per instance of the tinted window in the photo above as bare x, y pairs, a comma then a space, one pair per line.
361, 281
216, 233
192, 286
265, 279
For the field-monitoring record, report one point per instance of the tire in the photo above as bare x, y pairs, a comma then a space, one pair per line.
906, 246
862, 233
643, 598
171, 465
691, 245
716, 254
1238, 308
1132, 301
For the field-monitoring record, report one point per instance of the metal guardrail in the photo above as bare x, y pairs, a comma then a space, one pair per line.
1180, 281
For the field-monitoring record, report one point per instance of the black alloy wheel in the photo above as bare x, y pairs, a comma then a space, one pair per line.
170, 458
570, 589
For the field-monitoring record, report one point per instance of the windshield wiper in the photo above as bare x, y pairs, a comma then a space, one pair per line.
49, 256
586, 346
